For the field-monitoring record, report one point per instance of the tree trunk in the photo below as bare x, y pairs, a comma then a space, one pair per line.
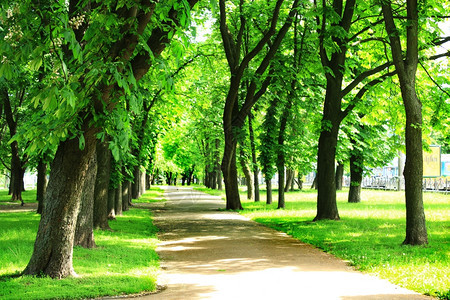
219, 178
314, 183
229, 171
53, 248
290, 175
148, 180
326, 195
135, 186
118, 200
111, 204
41, 185
125, 195
247, 174
281, 179
339, 175
416, 232
356, 175
254, 161
101, 186
269, 191
84, 233
17, 172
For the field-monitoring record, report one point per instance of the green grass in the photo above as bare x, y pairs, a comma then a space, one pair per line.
209, 191
29, 196
370, 234
155, 194
124, 261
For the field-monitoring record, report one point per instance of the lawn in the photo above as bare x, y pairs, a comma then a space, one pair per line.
124, 262
369, 235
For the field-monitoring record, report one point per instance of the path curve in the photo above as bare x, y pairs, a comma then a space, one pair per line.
210, 254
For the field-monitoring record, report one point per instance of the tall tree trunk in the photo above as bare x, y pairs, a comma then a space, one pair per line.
339, 175
135, 186
281, 180
102, 186
416, 232
141, 182
219, 178
356, 174
118, 200
125, 195
84, 232
17, 169
148, 180
247, 174
314, 183
230, 177
41, 185
17, 173
111, 204
269, 191
290, 174
326, 186
332, 114
53, 248
254, 161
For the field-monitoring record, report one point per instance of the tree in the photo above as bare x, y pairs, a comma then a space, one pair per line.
235, 115
416, 232
102, 70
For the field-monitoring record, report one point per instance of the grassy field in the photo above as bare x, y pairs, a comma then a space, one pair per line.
369, 235
124, 261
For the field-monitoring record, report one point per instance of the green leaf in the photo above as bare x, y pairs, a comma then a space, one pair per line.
6, 71
36, 63
81, 141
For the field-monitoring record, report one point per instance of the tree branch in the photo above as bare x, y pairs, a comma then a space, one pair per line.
246, 60
363, 76
432, 79
361, 93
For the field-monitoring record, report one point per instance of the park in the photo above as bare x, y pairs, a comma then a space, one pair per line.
163, 131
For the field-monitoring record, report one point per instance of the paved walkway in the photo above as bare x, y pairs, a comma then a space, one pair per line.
210, 254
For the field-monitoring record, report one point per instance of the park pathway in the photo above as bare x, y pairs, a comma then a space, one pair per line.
210, 254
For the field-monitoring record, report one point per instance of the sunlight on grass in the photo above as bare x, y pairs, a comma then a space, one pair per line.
370, 234
124, 261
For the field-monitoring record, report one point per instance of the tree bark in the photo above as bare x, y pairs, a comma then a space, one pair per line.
84, 233
356, 175
326, 186
125, 195
41, 185
118, 200
229, 171
135, 186
248, 175
416, 232
17, 170
53, 248
111, 204
339, 175
281, 180
219, 178
290, 175
254, 161
269, 191
102, 185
